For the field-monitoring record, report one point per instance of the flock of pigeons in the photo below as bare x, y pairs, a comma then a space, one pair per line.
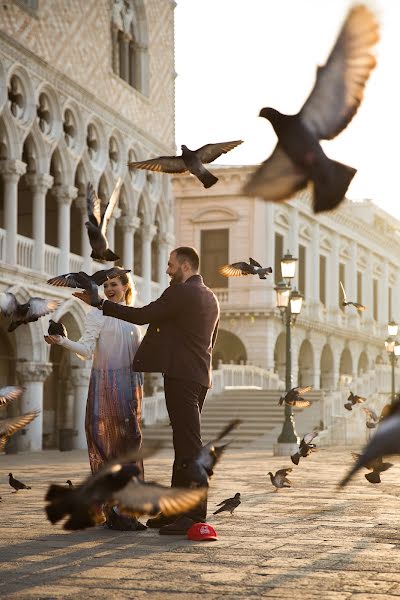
297, 161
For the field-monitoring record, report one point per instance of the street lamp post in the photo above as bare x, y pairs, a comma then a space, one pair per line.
289, 302
393, 348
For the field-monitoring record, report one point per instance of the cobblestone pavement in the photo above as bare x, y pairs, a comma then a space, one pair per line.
308, 542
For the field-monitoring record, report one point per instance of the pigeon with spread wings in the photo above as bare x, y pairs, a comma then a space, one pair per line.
97, 223
352, 400
280, 480
298, 157
376, 466
294, 397
117, 483
239, 269
9, 393
372, 417
190, 160
76, 280
10, 426
357, 305
28, 312
305, 448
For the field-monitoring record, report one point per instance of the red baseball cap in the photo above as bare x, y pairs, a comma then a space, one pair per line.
200, 532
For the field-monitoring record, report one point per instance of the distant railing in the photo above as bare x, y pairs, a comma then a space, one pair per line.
51, 255
238, 376
75, 263
154, 409
2, 244
25, 251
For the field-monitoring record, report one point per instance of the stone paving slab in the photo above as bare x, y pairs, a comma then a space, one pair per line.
308, 542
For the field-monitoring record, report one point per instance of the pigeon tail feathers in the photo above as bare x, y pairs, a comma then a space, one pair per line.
330, 184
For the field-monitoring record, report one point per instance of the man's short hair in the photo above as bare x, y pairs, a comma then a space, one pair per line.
189, 254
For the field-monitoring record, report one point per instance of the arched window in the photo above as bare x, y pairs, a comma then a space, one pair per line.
129, 43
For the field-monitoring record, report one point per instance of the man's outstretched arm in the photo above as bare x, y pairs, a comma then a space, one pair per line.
165, 307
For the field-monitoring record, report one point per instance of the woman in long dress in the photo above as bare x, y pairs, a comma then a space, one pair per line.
114, 404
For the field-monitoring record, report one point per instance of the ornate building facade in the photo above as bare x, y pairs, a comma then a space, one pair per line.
358, 244
84, 87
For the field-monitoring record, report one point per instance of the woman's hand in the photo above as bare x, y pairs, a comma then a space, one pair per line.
84, 296
53, 340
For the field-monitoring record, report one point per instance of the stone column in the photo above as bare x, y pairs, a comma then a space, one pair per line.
383, 296
80, 381
166, 242
368, 300
32, 375
115, 48
124, 74
332, 291
313, 275
351, 285
129, 226
148, 232
64, 195
39, 184
293, 241
11, 171
85, 244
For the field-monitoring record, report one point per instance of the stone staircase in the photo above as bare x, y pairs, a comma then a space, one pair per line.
258, 409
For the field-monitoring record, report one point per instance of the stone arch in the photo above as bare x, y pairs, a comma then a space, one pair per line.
345, 367
306, 364
363, 363
228, 348
73, 128
280, 356
327, 369
20, 88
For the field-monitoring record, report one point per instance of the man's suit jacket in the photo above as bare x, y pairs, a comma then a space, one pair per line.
182, 331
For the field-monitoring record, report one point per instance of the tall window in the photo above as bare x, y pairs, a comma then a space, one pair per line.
375, 299
278, 256
359, 288
302, 269
342, 278
390, 305
214, 252
322, 279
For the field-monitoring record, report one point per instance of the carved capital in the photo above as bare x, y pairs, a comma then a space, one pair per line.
148, 232
64, 194
39, 182
32, 371
80, 377
12, 170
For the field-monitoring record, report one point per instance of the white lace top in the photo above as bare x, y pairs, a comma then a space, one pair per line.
111, 342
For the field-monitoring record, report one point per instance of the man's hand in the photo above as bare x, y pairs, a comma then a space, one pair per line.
84, 296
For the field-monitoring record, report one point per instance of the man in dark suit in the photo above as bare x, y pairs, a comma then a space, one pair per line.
183, 325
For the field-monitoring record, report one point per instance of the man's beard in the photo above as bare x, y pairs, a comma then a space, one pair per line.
177, 277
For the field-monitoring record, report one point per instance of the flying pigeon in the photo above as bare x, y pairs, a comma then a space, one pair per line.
376, 465
201, 468
238, 269
357, 305
298, 157
229, 504
305, 448
117, 483
280, 480
189, 160
97, 223
386, 441
352, 400
17, 485
10, 426
294, 397
75, 280
69, 482
10, 393
57, 328
25, 313
372, 417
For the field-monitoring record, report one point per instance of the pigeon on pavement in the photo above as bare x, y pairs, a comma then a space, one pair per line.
229, 504
97, 223
385, 441
376, 465
294, 397
298, 157
10, 426
17, 485
189, 160
25, 313
116, 483
10, 393
280, 480
305, 447
352, 400
357, 305
238, 269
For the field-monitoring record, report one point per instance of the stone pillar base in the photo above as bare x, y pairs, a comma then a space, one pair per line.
282, 449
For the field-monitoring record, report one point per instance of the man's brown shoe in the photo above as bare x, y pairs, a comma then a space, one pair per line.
178, 527
159, 521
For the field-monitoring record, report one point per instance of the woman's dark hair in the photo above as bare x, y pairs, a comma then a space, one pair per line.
189, 254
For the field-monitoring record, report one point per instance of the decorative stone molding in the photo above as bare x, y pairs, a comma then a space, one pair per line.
64, 194
40, 182
11, 170
32, 371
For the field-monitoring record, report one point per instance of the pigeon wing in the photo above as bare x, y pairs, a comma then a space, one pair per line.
10, 393
254, 263
301, 403
8, 303
276, 179
136, 499
10, 426
308, 438
283, 472
67, 280
162, 164
93, 205
344, 293
111, 205
38, 307
211, 152
235, 269
340, 83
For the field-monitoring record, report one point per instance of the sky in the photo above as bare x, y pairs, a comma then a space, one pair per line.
232, 57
